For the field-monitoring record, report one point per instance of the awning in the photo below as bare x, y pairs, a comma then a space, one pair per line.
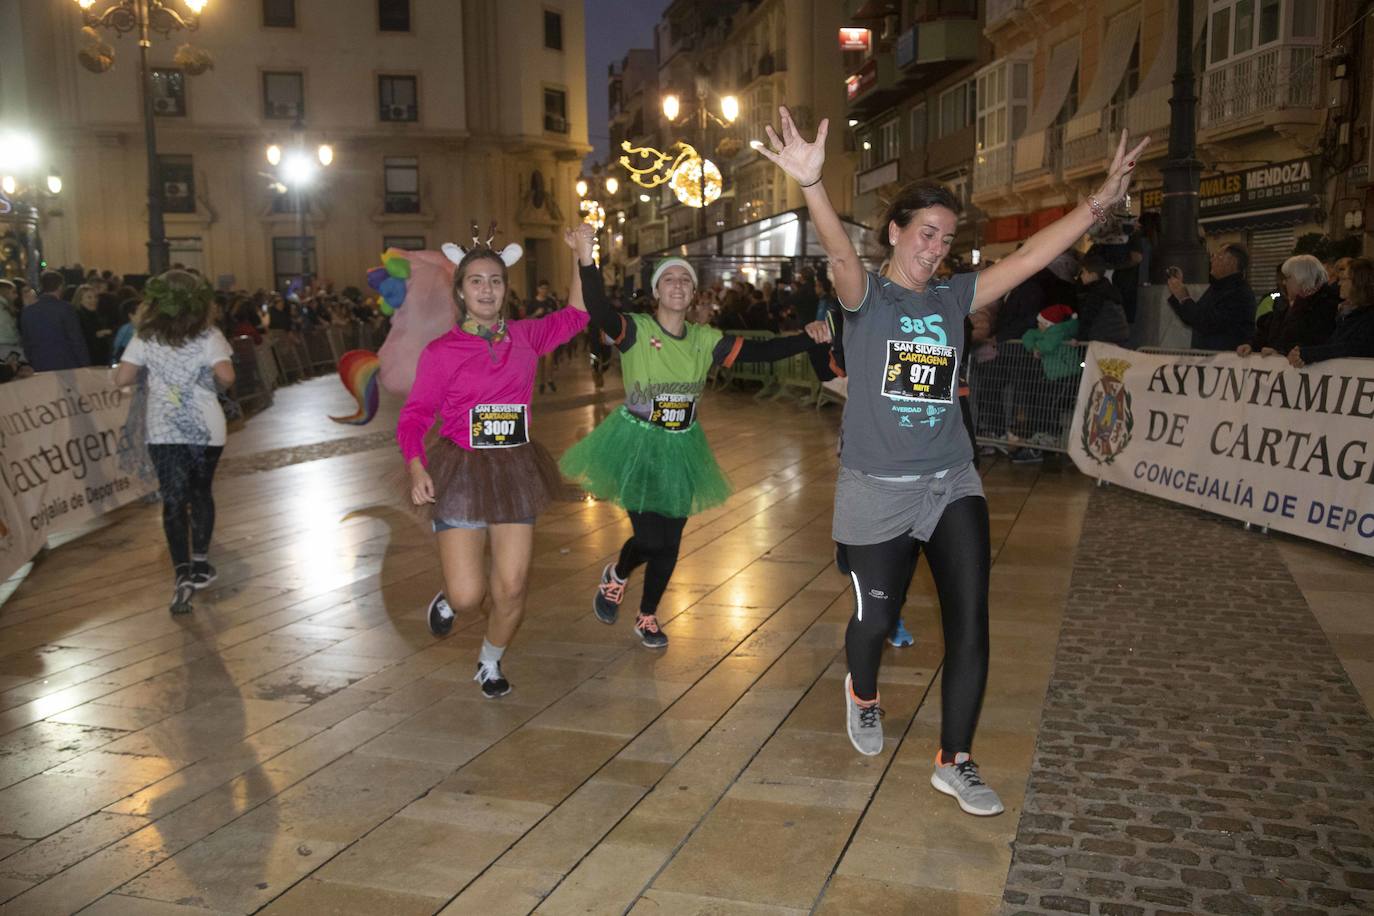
781, 237
1113, 58
1272, 218
1161, 71
1058, 78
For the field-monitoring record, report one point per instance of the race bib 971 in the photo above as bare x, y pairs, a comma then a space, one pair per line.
673, 411
500, 425
920, 372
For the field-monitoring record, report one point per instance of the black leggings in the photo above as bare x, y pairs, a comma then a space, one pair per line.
656, 541
959, 554
184, 475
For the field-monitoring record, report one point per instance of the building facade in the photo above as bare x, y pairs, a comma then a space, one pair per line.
912, 102
439, 114
764, 53
1067, 77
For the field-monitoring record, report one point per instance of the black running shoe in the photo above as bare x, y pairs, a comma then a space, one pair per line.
440, 616
609, 594
185, 591
646, 628
493, 684
203, 574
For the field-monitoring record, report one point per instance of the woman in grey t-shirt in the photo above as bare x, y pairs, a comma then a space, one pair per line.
906, 476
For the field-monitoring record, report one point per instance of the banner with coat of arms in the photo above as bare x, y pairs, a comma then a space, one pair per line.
1249, 437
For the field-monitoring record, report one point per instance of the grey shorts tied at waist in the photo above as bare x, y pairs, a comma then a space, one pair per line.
871, 510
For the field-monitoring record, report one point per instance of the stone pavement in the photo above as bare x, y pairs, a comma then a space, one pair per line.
1202, 749
302, 745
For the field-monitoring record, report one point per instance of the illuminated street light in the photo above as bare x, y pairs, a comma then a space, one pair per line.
581, 187
274, 154
612, 185
644, 198
298, 169
325, 153
8, 184
54, 184
729, 108
671, 106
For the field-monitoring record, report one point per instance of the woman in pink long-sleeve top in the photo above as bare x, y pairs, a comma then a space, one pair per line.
484, 475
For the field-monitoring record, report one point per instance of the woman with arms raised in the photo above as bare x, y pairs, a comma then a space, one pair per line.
906, 474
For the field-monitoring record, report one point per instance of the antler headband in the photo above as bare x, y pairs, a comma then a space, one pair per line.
508, 255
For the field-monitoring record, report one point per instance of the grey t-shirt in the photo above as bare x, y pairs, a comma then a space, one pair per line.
902, 353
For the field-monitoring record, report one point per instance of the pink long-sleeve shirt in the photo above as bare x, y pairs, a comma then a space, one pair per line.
459, 371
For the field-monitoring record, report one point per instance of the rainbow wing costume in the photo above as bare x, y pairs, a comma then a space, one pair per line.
421, 281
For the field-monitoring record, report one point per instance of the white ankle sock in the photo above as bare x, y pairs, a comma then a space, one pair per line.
490, 655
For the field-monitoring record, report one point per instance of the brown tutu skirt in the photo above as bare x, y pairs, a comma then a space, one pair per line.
493, 485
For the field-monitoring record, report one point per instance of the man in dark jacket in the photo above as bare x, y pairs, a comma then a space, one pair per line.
52, 330
1101, 313
1224, 318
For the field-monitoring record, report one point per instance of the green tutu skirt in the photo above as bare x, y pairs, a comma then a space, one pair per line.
643, 468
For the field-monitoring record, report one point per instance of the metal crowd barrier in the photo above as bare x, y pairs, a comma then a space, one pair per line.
251, 388
1016, 403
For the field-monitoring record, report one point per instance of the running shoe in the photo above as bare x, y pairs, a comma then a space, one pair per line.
609, 594
900, 636
864, 721
1026, 455
493, 684
183, 593
440, 616
203, 574
841, 559
961, 781
646, 628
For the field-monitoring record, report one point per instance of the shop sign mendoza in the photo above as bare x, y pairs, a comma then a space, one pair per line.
1250, 438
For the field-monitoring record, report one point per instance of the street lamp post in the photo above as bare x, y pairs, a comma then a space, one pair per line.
295, 171
144, 16
1182, 172
729, 113
21, 168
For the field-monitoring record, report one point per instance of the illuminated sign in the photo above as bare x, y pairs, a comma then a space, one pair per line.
857, 84
855, 39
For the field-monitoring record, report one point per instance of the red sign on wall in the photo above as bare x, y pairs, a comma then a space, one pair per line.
858, 83
855, 39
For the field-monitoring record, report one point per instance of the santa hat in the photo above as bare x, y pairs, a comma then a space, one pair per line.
1053, 315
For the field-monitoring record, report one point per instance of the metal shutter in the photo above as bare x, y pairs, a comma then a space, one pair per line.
1268, 249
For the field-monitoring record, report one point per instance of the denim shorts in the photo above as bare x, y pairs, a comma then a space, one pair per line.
448, 524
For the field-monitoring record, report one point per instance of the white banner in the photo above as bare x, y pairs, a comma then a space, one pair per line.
1247, 437
66, 456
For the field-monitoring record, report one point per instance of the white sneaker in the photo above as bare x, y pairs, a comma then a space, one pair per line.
962, 781
864, 722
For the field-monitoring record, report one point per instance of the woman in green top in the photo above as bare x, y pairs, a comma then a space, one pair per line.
650, 456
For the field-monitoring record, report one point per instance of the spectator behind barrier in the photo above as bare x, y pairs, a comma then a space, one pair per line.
1354, 332
51, 329
1311, 314
1224, 318
1101, 313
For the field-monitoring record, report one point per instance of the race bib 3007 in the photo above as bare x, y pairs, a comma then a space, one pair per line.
920, 372
500, 425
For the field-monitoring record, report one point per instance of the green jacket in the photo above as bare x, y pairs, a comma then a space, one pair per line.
1059, 359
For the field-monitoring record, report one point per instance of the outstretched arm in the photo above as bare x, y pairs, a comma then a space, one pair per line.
570, 239
803, 162
1059, 236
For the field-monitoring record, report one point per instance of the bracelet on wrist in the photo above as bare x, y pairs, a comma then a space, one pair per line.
1099, 211
814, 183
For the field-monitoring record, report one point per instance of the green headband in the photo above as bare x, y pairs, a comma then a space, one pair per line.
173, 301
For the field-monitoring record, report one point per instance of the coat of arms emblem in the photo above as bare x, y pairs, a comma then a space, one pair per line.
1107, 419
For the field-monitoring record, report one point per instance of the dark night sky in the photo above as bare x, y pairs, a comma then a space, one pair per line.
613, 27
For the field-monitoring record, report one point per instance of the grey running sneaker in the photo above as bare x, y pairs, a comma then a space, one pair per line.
493, 683
960, 779
609, 594
646, 628
864, 722
184, 592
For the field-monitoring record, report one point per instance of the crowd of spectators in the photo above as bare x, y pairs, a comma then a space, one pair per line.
77, 317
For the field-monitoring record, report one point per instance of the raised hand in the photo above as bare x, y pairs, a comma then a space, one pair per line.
819, 331
582, 240
801, 160
1118, 180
